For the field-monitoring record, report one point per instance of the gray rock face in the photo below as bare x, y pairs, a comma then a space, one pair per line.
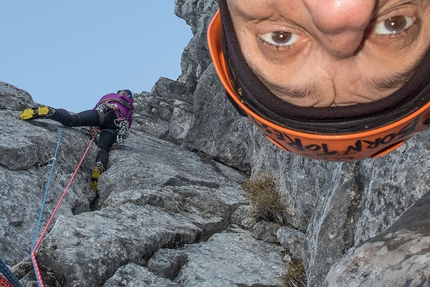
292, 240
166, 112
227, 139
14, 98
339, 206
167, 263
397, 257
195, 59
157, 201
133, 275
22, 183
236, 255
172, 211
360, 201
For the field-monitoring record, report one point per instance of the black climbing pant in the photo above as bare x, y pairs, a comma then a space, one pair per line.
104, 120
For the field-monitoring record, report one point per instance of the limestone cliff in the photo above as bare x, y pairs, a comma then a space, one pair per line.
172, 211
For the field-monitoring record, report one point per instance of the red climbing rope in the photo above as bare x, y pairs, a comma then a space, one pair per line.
33, 252
4, 282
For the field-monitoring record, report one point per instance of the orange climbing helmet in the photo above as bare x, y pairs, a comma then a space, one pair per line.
319, 133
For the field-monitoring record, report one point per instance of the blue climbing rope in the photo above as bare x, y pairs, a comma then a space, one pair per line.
9, 275
36, 233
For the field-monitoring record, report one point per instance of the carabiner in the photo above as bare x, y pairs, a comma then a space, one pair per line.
49, 162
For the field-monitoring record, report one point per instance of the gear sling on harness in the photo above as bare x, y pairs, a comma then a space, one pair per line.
123, 126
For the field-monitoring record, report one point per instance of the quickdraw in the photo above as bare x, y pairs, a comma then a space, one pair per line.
123, 129
49, 162
94, 132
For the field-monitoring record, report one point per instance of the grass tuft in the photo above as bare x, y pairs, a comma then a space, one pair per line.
296, 275
267, 205
266, 201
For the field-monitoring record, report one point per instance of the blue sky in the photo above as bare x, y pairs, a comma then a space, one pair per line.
70, 53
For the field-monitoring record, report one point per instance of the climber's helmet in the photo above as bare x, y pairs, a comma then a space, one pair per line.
126, 92
320, 133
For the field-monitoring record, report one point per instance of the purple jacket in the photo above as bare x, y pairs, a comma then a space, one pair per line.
123, 103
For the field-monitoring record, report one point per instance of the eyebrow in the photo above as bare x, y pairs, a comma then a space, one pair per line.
292, 91
395, 80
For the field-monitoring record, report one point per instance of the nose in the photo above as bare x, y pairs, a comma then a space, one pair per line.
340, 24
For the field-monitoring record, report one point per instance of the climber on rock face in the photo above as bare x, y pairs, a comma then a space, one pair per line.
334, 80
112, 116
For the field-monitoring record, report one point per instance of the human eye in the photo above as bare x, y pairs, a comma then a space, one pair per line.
393, 25
280, 38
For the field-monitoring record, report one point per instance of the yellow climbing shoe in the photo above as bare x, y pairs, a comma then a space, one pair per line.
43, 111
94, 186
94, 178
36, 113
27, 114
96, 173
98, 169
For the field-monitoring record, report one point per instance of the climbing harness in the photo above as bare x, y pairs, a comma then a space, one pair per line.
106, 106
9, 279
38, 242
103, 106
123, 126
